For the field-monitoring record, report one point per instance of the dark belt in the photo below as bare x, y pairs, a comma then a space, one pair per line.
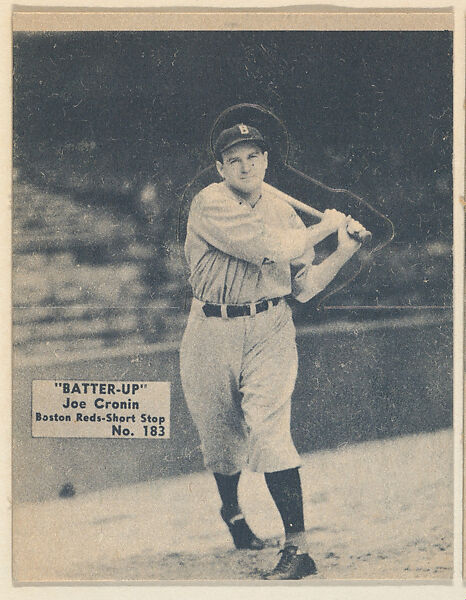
239, 310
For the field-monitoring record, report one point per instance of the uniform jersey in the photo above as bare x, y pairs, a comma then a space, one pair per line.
240, 254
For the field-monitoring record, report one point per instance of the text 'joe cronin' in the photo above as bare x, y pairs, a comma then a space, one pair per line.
101, 409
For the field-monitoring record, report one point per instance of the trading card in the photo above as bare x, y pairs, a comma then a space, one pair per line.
232, 296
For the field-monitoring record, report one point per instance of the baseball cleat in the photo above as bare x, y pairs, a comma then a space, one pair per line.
292, 565
243, 537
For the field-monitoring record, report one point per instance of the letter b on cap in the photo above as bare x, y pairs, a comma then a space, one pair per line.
243, 129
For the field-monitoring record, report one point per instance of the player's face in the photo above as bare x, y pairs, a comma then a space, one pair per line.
243, 167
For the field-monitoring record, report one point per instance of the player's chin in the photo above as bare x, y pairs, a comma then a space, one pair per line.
249, 185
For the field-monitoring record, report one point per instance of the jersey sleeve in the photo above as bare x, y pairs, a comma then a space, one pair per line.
293, 219
311, 279
302, 287
301, 265
236, 230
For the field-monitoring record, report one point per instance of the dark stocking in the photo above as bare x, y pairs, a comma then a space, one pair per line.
285, 488
228, 490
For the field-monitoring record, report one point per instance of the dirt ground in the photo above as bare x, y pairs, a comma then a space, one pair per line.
376, 510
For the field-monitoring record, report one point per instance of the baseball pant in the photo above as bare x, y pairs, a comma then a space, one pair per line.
238, 375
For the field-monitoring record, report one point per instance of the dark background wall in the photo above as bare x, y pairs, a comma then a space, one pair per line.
360, 384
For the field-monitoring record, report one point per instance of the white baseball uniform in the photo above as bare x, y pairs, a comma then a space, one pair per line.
238, 373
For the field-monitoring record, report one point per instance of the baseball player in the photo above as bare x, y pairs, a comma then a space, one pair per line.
247, 251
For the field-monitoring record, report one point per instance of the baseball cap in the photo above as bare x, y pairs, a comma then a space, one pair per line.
236, 134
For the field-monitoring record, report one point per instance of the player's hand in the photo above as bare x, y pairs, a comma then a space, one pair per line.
353, 227
347, 244
332, 220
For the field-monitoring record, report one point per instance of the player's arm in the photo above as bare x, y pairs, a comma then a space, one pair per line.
312, 279
330, 223
332, 219
238, 231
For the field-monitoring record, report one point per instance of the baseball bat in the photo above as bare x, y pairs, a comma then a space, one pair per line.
360, 236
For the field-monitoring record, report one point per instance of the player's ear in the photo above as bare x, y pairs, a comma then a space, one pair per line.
266, 156
219, 168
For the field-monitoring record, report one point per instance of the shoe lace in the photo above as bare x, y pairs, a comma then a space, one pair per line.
287, 555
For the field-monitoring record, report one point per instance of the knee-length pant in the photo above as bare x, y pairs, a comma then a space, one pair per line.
238, 375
